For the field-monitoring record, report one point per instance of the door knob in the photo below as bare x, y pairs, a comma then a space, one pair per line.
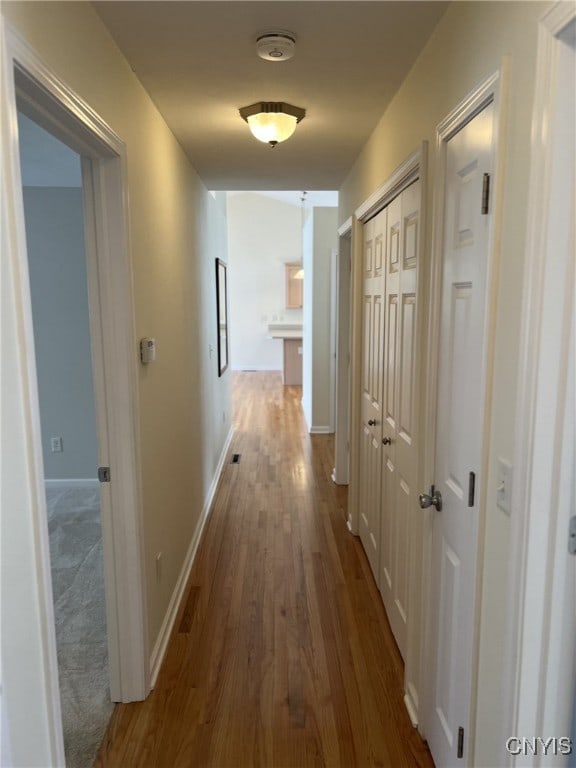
386, 441
371, 422
433, 499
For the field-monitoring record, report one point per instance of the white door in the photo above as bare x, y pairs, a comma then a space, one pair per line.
399, 460
459, 427
372, 369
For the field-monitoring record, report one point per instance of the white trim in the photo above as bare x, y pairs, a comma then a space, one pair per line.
256, 368
110, 280
345, 229
356, 256
22, 457
411, 709
74, 482
341, 472
539, 599
402, 177
161, 644
321, 430
489, 91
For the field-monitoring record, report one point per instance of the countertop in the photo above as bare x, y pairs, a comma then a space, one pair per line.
285, 331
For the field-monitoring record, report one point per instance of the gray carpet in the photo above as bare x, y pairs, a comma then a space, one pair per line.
78, 585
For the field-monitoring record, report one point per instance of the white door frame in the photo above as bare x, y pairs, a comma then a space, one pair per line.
538, 690
341, 473
70, 118
412, 168
490, 91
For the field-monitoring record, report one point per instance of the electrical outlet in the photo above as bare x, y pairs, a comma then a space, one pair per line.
56, 445
159, 567
504, 486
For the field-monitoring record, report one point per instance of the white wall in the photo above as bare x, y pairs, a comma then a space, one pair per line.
318, 387
263, 234
57, 264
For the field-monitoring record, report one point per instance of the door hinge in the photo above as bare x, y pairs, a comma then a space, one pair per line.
460, 742
104, 474
485, 193
572, 536
471, 488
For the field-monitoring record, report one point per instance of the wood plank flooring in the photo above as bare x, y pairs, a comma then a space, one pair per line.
282, 656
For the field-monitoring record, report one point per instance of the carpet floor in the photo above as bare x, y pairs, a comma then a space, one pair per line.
79, 607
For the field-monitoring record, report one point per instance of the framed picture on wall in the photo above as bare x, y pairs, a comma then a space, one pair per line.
222, 313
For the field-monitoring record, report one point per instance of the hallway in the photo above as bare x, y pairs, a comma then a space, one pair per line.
282, 654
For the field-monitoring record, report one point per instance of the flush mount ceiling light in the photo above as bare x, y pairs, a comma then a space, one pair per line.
276, 45
272, 121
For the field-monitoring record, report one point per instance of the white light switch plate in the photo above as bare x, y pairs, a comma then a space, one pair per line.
504, 486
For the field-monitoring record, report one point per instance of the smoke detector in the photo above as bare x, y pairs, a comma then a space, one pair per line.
276, 45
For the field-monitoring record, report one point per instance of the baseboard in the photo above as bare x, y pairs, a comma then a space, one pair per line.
74, 482
321, 430
412, 711
256, 368
161, 644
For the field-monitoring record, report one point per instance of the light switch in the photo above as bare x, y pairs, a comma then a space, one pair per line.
504, 486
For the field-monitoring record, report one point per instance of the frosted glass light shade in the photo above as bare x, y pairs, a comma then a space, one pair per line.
272, 121
272, 126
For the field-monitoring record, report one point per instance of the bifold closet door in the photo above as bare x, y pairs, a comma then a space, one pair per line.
399, 451
372, 371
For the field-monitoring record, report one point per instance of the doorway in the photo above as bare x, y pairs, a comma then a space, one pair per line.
54, 106
54, 219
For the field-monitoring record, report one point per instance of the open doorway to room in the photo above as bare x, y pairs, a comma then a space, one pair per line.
108, 336
283, 293
54, 219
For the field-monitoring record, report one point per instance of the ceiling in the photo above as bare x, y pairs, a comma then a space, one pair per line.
198, 62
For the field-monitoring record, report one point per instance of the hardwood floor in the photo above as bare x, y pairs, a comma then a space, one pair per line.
282, 655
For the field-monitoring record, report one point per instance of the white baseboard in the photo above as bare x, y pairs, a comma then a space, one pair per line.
321, 430
258, 368
161, 644
412, 711
73, 482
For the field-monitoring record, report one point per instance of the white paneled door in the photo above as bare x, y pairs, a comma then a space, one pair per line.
399, 460
372, 372
459, 421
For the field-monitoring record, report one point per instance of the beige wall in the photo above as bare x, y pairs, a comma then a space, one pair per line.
468, 45
176, 231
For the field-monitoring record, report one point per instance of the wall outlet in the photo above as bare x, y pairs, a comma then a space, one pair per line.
159, 567
56, 445
504, 486
224, 417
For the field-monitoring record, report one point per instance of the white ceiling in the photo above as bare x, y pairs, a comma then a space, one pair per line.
197, 61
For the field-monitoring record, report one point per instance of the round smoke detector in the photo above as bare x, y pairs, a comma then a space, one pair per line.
276, 46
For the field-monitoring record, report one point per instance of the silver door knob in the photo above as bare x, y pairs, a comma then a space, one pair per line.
371, 422
386, 441
433, 499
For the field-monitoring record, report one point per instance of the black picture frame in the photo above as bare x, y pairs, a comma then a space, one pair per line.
222, 315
